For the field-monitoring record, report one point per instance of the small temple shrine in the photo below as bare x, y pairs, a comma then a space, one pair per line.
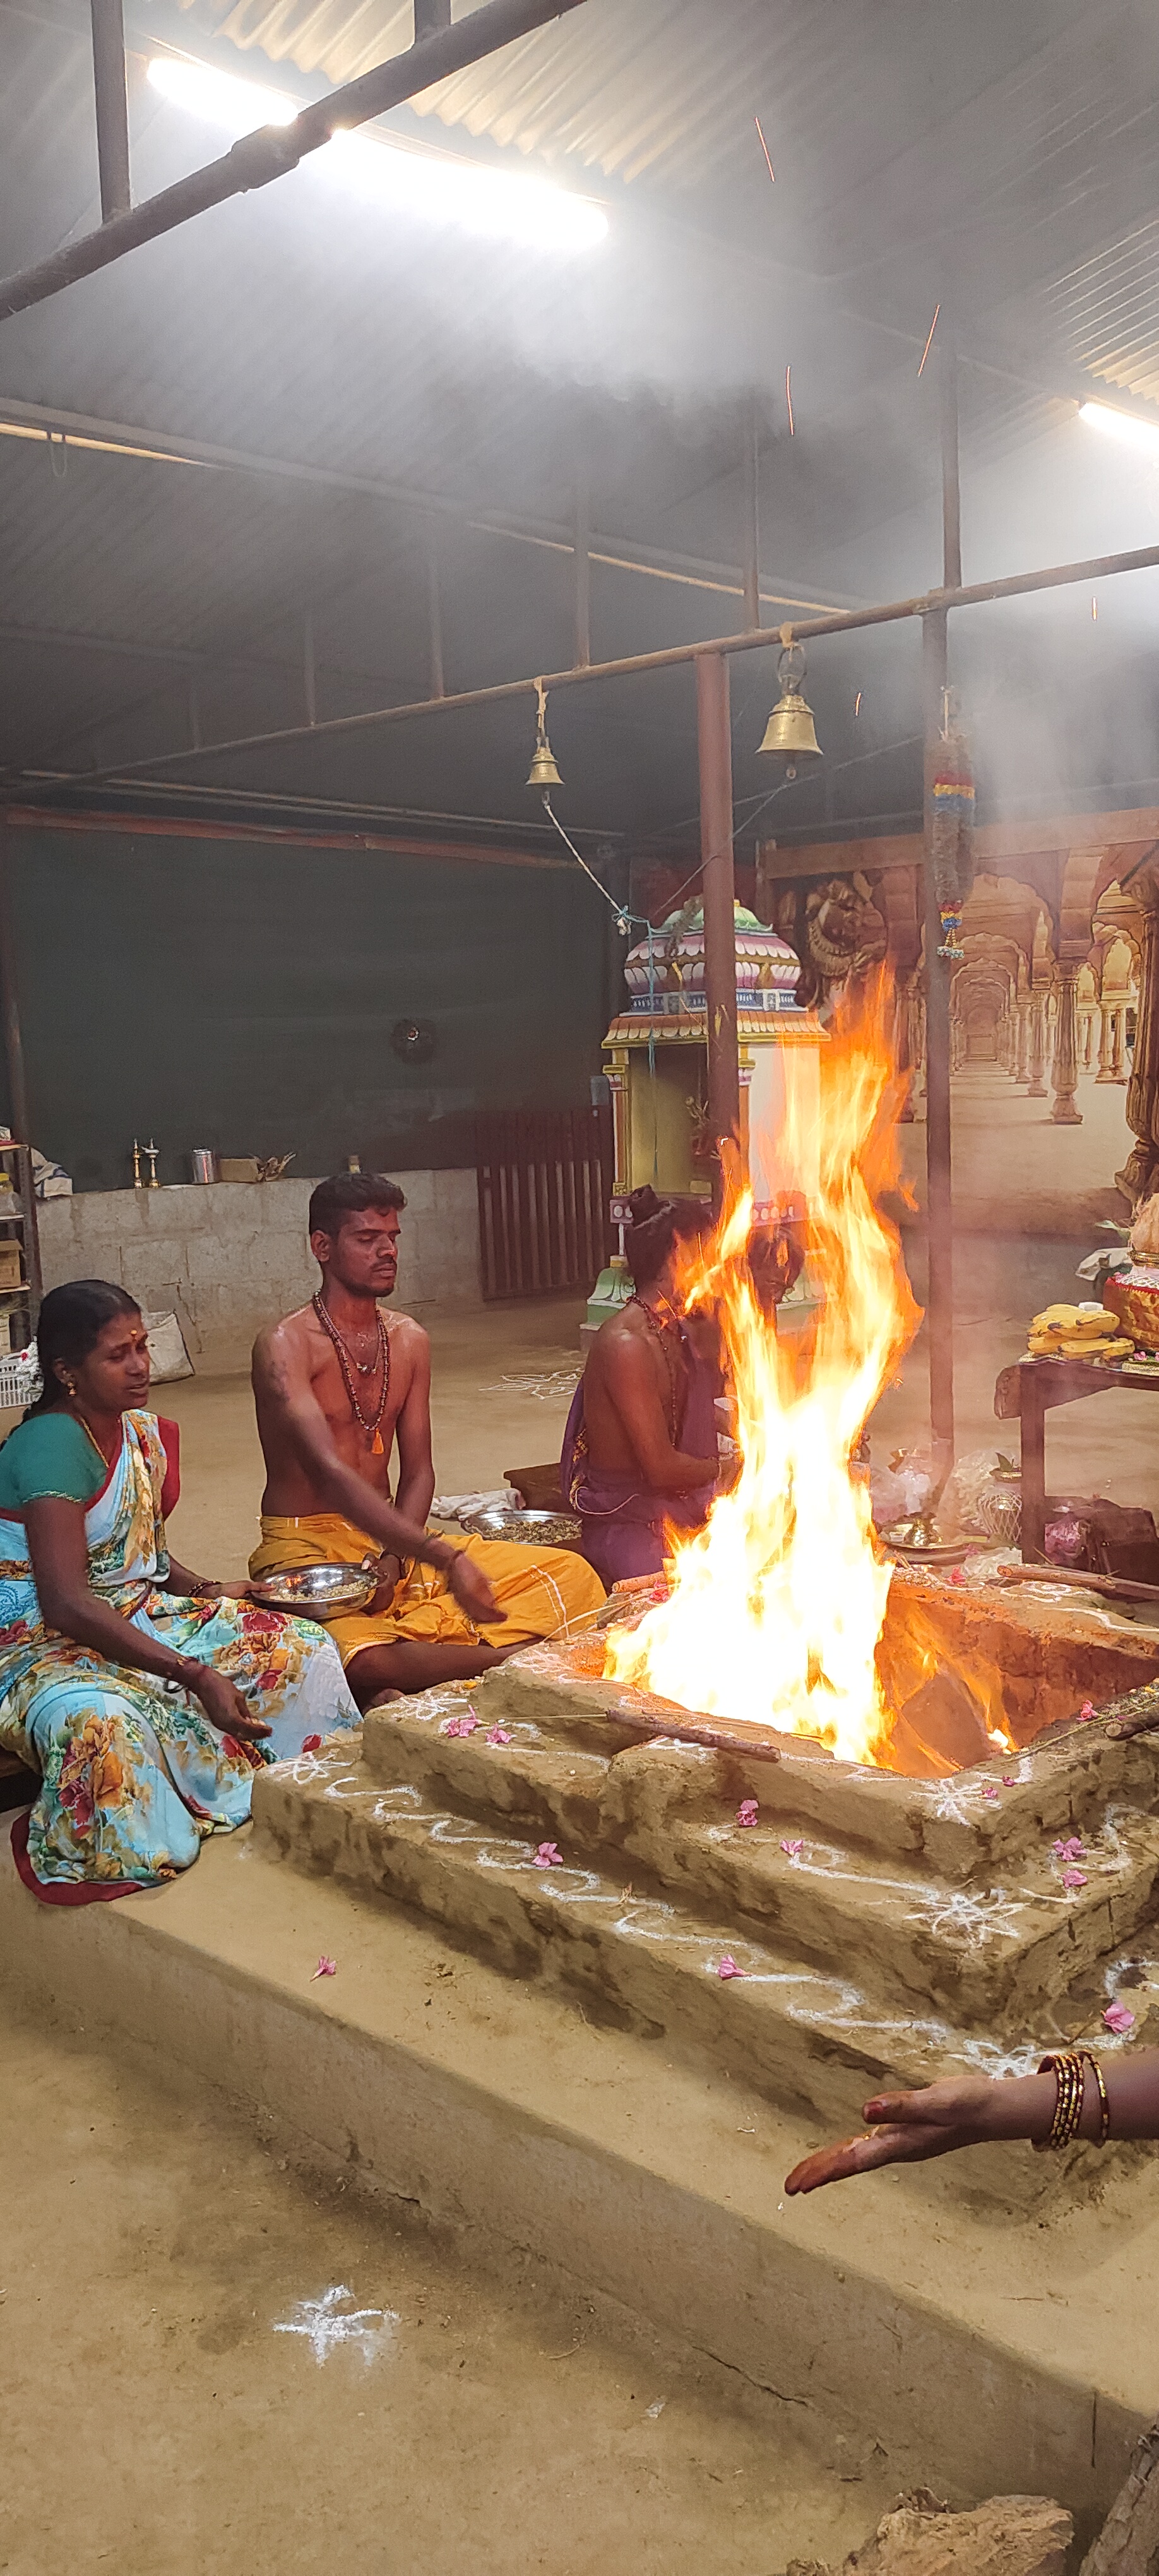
656, 1055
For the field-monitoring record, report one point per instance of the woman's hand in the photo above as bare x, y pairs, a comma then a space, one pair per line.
224, 1706
911, 2127
472, 1591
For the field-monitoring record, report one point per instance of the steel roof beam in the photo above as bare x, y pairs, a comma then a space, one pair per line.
112, 106
672, 657
274, 149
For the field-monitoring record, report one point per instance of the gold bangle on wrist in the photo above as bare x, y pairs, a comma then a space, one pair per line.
1104, 2105
1067, 2068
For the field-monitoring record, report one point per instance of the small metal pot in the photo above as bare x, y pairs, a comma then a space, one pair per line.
204, 1165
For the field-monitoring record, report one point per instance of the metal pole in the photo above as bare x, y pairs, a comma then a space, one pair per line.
9, 1002
432, 18
939, 1203
274, 149
671, 656
583, 578
435, 620
112, 105
951, 486
309, 682
714, 736
939, 1175
752, 519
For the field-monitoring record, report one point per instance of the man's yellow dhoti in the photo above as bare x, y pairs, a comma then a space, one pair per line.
542, 1590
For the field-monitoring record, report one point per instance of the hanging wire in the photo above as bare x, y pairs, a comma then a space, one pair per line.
625, 922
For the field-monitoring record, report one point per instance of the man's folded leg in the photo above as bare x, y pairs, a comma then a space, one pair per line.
424, 1638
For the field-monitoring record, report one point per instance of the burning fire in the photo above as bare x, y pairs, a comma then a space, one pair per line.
777, 1605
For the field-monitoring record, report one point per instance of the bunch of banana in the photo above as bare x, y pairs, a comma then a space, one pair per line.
1078, 1333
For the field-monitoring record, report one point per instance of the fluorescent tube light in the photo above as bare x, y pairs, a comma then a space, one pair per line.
1122, 425
439, 187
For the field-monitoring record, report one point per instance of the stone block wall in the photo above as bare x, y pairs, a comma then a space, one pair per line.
230, 1257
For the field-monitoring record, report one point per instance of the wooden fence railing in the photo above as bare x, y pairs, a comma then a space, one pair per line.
545, 1178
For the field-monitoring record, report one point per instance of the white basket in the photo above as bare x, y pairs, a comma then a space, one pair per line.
20, 1379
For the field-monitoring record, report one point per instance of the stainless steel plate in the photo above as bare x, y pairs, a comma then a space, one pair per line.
526, 1529
314, 1590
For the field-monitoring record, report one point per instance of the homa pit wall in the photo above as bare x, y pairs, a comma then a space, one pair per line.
608, 1766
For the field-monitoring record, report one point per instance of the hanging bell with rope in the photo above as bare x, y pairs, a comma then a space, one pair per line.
543, 772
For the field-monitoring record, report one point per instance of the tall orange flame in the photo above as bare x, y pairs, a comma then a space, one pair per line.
777, 1605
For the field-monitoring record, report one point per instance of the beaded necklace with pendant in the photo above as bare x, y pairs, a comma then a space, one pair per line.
345, 1360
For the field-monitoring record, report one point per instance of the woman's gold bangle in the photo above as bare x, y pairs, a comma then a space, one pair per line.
1104, 2105
1068, 2071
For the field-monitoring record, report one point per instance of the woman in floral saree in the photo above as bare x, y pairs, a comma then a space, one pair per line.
143, 1697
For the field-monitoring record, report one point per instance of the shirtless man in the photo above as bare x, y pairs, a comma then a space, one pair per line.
640, 1449
336, 1386
640, 1452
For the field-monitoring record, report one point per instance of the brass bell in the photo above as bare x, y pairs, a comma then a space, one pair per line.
543, 771
790, 732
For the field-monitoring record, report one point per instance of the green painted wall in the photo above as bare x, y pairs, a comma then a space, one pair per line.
242, 998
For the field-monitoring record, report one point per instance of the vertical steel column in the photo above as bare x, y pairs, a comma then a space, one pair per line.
583, 577
939, 1185
309, 685
112, 105
435, 619
714, 735
752, 521
432, 18
9, 1002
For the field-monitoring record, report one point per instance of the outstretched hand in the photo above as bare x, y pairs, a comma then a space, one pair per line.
472, 1591
908, 2128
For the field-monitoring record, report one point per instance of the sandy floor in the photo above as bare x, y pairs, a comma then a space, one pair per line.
1042, 1178
157, 2423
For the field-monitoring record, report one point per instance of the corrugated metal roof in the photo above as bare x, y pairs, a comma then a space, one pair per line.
1002, 158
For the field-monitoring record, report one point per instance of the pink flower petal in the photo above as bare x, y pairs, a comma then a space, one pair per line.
793, 1850
957, 1574
310, 1743
1073, 1878
747, 1812
1073, 1848
727, 1967
461, 1725
325, 1968
1118, 2019
548, 1856
988, 1789
1008, 1780
1086, 1712
498, 1735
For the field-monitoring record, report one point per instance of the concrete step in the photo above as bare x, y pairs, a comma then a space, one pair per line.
624, 1953
983, 1951
1011, 2354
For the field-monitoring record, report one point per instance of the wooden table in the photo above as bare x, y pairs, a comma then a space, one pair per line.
1025, 1392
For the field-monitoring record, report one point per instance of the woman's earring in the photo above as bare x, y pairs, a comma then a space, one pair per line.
70, 1385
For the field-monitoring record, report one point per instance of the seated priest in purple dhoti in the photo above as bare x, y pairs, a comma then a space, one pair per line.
640, 1449
641, 1459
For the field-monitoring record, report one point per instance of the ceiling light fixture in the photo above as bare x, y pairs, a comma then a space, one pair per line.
1122, 425
440, 187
